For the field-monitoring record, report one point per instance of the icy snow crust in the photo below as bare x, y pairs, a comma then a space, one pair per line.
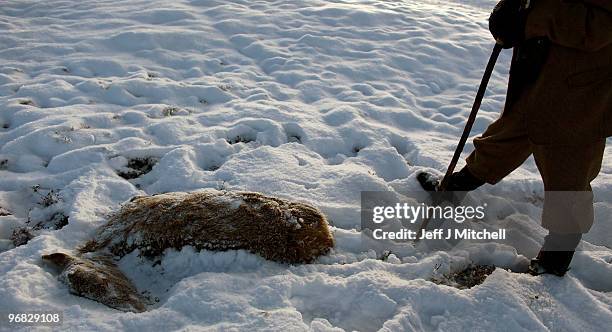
308, 100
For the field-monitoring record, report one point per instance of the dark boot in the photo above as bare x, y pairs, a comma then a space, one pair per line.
556, 254
428, 181
551, 262
464, 180
459, 184
459, 181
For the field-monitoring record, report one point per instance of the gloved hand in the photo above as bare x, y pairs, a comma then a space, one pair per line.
507, 23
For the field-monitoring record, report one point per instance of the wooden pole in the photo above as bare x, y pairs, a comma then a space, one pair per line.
468, 125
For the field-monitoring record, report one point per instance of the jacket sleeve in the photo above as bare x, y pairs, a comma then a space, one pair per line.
581, 24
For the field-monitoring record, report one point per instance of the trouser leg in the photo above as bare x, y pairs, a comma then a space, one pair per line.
502, 148
567, 172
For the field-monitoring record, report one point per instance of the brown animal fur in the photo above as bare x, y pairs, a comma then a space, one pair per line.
97, 278
273, 228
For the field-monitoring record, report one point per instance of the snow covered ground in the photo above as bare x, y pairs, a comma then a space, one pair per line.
309, 100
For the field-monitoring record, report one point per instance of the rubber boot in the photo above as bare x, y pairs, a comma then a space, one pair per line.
556, 254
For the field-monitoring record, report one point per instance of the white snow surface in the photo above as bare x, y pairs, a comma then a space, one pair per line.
308, 100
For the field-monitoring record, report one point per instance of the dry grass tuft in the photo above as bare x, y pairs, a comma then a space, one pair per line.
467, 278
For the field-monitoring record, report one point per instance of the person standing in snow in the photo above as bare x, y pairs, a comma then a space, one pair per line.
558, 108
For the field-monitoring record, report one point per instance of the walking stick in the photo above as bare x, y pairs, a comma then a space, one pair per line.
468, 126
470, 121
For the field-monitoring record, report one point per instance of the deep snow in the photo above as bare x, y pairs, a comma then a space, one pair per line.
308, 100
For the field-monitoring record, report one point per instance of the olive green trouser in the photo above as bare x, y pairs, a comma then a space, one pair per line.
566, 170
